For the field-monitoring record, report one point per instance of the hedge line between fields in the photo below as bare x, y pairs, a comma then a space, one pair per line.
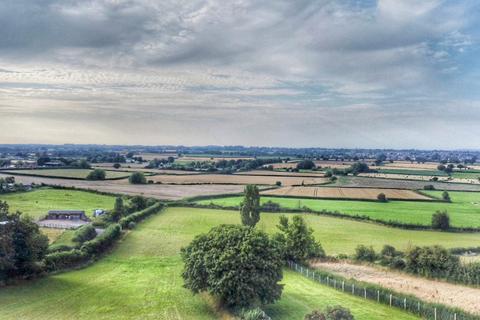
89, 250
336, 214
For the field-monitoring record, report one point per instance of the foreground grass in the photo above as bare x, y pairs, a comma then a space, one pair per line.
464, 210
141, 279
67, 173
37, 203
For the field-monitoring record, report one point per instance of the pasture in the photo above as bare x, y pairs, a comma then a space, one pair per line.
236, 179
464, 210
345, 193
66, 173
141, 279
37, 203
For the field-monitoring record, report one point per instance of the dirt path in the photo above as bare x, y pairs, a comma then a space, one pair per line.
459, 296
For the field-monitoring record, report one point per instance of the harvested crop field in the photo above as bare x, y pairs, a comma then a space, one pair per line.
432, 291
236, 179
418, 177
65, 173
157, 191
345, 193
281, 173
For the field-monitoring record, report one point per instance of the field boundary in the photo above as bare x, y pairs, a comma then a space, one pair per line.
57, 177
355, 199
382, 295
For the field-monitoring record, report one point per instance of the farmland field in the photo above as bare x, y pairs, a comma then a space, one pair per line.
36, 203
235, 179
141, 279
345, 193
464, 210
65, 173
282, 173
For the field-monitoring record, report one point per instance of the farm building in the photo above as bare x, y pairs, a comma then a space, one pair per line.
67, 215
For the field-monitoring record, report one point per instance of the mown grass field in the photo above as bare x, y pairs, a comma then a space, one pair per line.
141, 279
464, 210
66, 173
37, 203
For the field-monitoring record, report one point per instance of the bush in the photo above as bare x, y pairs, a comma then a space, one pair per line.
103, 241
390, 257
364, 253
382, 197
117, 165
253, 314
330, 313
137, 178
238, 264
315, 315
65, 259
446, 196
441, 220
278, 183
270, 206
306, 165
428, 187
97, 174
58, 248
84, 233
433, 261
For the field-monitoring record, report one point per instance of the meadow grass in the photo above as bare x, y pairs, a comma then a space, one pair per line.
464, 210
37, 203
67, 173
141, 279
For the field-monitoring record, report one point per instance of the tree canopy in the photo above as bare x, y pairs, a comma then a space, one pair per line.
250, 207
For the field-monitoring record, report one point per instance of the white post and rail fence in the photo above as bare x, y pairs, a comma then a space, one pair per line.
394, 300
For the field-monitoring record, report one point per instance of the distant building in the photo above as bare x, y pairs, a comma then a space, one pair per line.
67, 215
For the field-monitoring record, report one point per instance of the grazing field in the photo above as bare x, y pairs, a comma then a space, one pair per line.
464, 210
37, 203
65, 173
345, 193
52, 234
141, 279
236, 179
456, 296
416, 172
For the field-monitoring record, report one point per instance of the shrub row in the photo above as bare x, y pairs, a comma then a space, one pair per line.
84, 233
125, 222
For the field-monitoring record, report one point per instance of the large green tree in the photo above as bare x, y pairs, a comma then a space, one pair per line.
118, 209
239, 265
250, 207
137, 178
296, 240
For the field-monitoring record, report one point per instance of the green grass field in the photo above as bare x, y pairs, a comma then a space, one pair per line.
67, 173
141, 279
411, 172
464, 210
37, 203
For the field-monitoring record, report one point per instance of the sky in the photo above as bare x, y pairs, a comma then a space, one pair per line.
303, 73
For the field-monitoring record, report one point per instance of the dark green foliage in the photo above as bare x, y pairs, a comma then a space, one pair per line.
296, 241
330, 313
358, 167
364, 253
137, 203
338, 313
270, 206
137, 178
103, 241
65, 259
239, 265
446, 196
253, 314
97, 174
140, 215
118, 209
84, 233
83, 164
306, 165
441, 220
117, 165
250, 207
278, 183
392, 258
432, 261
428, 187
382, 197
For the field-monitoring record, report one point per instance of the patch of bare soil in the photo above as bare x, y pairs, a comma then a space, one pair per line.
459, 296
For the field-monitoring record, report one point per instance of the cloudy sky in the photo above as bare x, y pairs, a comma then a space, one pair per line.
386, 73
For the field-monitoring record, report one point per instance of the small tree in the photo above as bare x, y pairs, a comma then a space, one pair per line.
446, 196
338, 313
250, 207
306, 165
441, 220
117, 165
382, 197
364, 253
97, 174
238, 264
296, 240
118, 209
315, 315
137, 178
278, 183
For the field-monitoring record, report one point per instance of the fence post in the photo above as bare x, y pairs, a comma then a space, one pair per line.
378, 295
313, 275
328, 281
454, 316
343, 285
418, 306
307, 272
435, 313
335, 283
405, 303
353, 288
365, 292
390, 299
